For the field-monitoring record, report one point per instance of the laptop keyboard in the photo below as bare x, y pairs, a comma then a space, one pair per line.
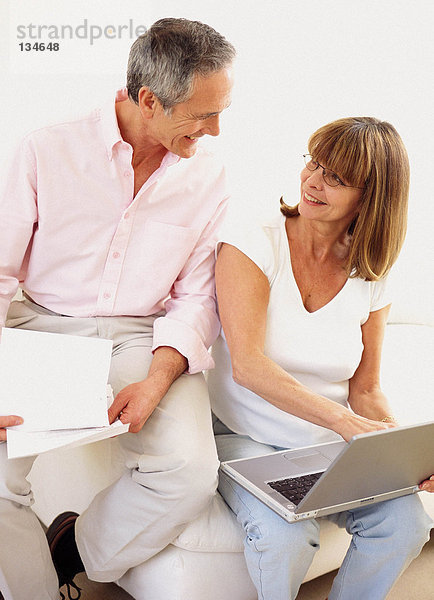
295, 489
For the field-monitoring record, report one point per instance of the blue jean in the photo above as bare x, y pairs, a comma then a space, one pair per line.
386, 537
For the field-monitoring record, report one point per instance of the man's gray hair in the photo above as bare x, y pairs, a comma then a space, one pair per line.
166, 58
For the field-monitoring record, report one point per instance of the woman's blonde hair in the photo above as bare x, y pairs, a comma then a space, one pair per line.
370, 154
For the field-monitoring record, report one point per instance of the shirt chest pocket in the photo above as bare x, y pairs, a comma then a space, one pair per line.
164, 251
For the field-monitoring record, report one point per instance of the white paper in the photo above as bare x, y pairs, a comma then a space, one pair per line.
28, 443
54, 381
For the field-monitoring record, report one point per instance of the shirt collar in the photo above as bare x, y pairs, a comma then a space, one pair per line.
112, 134
110, 127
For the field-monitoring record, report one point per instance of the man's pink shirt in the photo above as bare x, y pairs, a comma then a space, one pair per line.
80, 244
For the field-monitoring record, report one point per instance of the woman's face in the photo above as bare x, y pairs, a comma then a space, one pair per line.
323, 202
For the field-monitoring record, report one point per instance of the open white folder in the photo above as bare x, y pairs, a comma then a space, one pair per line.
58, 384
54, 381
29, 443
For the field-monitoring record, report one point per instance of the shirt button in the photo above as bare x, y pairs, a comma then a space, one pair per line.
107, 295
116, 255
126, 215
127, 173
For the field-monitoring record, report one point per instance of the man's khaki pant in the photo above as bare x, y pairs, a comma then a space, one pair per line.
170, 475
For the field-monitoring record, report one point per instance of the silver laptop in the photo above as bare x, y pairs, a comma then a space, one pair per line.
319, 480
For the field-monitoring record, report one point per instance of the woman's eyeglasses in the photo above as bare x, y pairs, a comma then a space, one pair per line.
329, 177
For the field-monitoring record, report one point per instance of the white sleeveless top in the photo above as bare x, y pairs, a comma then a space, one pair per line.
321, 350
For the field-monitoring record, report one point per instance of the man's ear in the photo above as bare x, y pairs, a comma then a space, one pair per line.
147, 103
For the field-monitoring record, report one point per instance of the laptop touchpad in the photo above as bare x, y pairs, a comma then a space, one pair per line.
310, 461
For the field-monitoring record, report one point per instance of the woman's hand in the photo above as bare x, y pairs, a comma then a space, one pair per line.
351, 424
8, 421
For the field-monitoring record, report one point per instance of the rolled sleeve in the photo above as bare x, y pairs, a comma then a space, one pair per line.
182, 337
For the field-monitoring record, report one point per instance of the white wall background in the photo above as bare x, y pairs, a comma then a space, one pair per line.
300, 64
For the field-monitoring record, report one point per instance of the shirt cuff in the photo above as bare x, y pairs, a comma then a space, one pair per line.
179, 335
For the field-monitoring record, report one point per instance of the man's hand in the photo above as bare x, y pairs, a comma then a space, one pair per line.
8, 421
428, 485
137, 401
135, 404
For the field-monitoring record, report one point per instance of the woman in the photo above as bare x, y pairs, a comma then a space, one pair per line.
303, 305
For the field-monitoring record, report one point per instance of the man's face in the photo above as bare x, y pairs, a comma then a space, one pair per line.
192, 119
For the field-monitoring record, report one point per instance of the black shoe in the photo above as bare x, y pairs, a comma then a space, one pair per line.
64, 551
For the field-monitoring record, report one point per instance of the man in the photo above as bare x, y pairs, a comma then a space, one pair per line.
109, 223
